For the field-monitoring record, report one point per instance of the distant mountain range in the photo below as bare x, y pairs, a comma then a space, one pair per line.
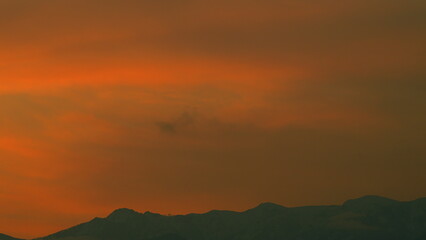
366, 218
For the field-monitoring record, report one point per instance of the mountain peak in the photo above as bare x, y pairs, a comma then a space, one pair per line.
123, 214
267, 207
368, 202
124, 211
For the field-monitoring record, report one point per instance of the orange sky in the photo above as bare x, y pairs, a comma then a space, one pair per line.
185, 106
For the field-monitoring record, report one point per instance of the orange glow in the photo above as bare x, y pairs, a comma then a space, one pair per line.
178, 107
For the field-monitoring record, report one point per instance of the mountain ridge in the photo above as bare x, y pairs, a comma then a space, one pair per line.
368, 217
6, 237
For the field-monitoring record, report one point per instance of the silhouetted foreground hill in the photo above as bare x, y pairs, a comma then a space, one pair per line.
5, 237
366, 218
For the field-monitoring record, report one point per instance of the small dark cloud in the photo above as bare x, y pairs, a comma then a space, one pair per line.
184, 120
166, 127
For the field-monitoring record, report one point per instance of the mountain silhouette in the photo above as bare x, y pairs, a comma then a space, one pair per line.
366, 218
5, 237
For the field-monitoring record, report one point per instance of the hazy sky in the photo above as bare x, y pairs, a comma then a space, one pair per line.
178, 106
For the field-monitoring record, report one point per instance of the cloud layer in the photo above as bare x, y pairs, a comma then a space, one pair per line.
184, 106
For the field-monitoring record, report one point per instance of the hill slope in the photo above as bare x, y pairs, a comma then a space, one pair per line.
366, 218
5, 237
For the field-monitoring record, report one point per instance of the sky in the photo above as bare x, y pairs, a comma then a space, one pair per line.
179, 106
